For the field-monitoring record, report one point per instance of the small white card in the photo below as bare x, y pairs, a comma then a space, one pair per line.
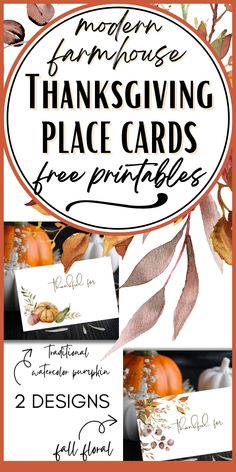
186, 425
49, 298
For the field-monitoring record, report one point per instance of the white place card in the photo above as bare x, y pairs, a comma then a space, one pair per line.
49, 298
186, 425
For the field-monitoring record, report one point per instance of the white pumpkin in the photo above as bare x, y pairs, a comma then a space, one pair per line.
129, 420
216, 377
95, 250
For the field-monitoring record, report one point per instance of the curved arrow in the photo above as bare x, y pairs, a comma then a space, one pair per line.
101, 427
24, 361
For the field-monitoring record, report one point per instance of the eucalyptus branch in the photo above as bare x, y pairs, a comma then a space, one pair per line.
215, 19
181, 251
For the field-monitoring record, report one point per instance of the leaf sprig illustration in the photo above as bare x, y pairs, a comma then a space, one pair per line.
29, 298
72, 316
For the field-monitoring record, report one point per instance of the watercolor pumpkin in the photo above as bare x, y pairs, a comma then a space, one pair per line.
46, 311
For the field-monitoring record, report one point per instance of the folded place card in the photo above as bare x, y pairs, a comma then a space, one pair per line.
185, 425
49, 298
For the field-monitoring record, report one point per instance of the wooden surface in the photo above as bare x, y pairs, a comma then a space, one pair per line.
13, 330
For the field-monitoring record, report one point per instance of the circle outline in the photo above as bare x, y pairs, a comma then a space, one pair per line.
169, 17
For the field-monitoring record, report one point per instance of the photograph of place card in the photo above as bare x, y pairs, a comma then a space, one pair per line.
186, 425
49, 298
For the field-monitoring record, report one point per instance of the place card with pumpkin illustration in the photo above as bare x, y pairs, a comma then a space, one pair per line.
185, 425
49, 298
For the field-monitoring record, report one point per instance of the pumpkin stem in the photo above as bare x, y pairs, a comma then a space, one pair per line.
225, 364
150, 353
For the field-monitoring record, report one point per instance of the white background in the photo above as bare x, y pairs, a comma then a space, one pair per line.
209, 326
33, 434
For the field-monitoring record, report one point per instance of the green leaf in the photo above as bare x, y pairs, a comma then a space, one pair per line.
221, 44
195, 22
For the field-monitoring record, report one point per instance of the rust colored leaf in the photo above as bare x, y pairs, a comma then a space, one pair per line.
37, 207
222, 44
202, 29
122, 247
181, 410
228, 7
222, 239
183, 399
40, 13
170, 397
153, 263
112, 241
189, 294
225, 45
13, 32
143, 320
210, 216
73, 248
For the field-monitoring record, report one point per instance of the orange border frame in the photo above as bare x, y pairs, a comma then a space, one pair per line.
87, 466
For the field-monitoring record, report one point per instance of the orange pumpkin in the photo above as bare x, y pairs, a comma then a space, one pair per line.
150, 372
32, 244
46, 311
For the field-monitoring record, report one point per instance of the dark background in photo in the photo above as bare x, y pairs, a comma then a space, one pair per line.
98, 330
191, 364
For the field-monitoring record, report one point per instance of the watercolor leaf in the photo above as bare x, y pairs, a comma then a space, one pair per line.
153, 263
122, 247
37, 207
183, 399
221, 44
202, 30
73, 248
222, 239
113, 241
190, 291
39, 13
14, 33
210, 216
145, 235
143, 320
